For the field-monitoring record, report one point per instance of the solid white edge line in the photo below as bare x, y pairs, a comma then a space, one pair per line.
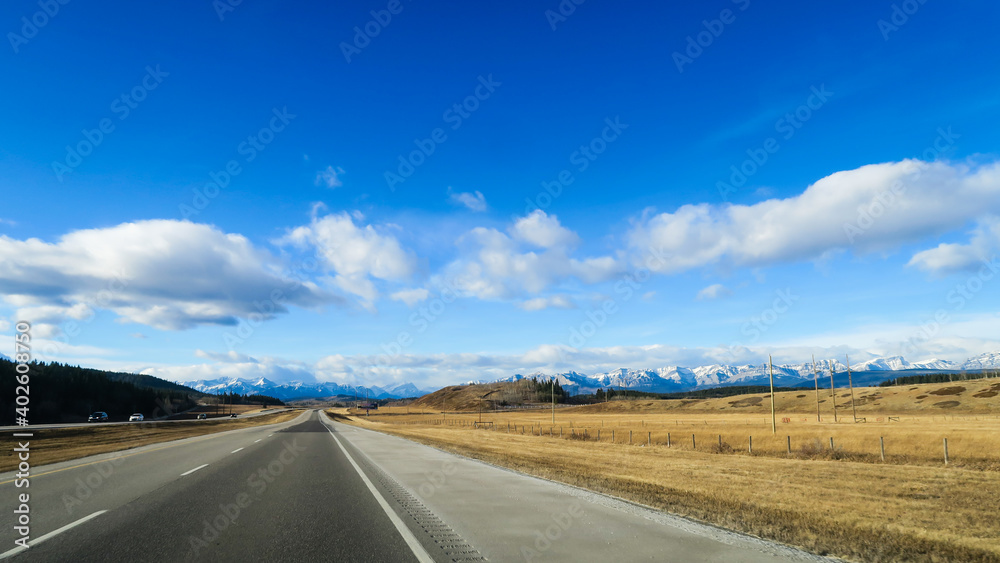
190, 471
236, 450
50, 535
411, 540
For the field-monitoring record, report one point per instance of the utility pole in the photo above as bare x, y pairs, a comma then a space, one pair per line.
553, 393
833, 393
774, 429
851, 384
816, 379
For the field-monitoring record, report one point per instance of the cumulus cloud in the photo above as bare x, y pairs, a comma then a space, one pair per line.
554, 301
499, 266
162, 273
354, 254
874, 208
474, 201
411, 296
330, 177
951, 258
714, 291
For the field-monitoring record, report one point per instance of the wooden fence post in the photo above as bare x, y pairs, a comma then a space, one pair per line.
789, 444
946, 451
694, 444
649, 438
750, 448
881, 445
630, 437
720, 442
668, 439
598, 434
612, 435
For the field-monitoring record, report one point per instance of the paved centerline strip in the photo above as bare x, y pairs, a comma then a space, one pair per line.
411, 541
50, 535
193, 470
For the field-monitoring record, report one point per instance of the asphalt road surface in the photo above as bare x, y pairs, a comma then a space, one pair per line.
313, 489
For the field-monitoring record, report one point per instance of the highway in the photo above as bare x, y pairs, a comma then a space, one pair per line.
312, 488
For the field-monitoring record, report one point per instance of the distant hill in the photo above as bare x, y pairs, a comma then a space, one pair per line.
62, 393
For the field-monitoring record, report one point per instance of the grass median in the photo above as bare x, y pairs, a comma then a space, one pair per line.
52, 445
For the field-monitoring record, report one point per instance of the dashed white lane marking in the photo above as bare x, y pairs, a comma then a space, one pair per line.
193, 470
50, 535
255, 441
236, 450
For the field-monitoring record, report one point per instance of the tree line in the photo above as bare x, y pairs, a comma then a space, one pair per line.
64, 393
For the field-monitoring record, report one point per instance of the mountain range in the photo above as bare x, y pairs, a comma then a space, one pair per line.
299, 390
661, 380
678, 379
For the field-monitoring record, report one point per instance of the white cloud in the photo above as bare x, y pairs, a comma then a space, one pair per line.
474, 201
228, 357
856, 209
951, 258
162, 273
411, 296
544, 231
555, 301
329, 177
355, 254
714, 291
498, 267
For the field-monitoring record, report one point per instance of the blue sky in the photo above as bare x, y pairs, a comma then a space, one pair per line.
868, 202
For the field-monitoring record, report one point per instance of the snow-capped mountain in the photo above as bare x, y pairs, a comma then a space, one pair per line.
989, 360
674, 378
300, 390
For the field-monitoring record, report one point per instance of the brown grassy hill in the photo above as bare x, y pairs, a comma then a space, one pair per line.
467, 397
962, 397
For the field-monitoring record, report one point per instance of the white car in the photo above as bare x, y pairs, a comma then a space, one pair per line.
135, 418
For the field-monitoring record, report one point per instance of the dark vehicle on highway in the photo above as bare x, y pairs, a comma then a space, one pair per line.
98, 416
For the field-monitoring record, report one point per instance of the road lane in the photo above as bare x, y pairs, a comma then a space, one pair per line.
292, 497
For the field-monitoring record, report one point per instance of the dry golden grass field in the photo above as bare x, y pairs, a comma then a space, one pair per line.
53, 445
844, 501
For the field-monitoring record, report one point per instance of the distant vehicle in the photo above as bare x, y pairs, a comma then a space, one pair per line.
98, 416
137, 417
232, 415
202, 416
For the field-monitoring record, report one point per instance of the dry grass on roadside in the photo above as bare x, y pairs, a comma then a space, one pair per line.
861, 511
63, 444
